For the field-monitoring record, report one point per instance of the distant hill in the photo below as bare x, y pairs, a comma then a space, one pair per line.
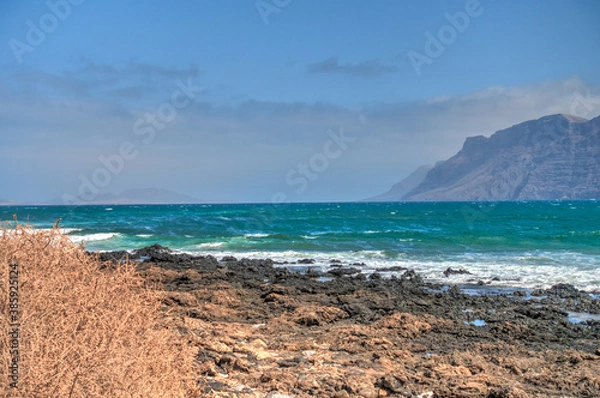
398, 190
4, 202
136, 196
554, 157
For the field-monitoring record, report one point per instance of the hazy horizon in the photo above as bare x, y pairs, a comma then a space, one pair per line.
261, 101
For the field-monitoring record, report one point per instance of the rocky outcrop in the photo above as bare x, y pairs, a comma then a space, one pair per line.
555, 157
264, 331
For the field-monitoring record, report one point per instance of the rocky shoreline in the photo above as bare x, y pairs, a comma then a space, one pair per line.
262, 330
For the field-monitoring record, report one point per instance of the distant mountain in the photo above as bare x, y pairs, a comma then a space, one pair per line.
135, 196
554, 157
398, 190
4, 202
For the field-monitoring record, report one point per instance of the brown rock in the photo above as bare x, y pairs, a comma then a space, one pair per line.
341, 394
316, 316
369, 393
407, 325
391, 384
507, 392
515, 370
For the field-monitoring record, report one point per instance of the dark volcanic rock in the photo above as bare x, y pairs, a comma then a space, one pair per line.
375, 276
119, 255
412, 276
395, 268
450, 271
154, 250
343, 271
564, 290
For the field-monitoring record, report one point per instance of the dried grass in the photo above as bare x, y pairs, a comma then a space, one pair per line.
87, 329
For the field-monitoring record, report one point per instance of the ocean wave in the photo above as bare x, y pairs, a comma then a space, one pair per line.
209, 245
93, 237
256, 235
67, 231
144, 235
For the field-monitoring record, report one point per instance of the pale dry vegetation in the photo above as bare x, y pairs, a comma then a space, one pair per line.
87, 329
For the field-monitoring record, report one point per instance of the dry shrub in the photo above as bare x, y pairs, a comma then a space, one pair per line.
86, 329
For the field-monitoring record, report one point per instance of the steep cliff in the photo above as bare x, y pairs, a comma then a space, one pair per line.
555, 157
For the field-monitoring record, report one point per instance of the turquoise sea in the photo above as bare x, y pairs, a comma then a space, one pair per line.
517, 244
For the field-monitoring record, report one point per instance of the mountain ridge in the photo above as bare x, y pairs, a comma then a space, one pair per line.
553, 157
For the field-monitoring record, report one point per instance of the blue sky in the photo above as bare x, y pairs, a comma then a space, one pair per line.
272, 83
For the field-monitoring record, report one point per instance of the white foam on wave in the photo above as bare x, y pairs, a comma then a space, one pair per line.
256, 235
144, 235
209, 245
510, 271
93, 237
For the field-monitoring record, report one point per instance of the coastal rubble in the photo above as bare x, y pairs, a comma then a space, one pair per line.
265, 331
